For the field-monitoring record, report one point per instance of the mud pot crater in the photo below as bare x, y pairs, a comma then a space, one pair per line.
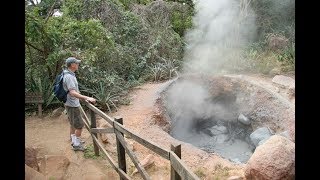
225, 115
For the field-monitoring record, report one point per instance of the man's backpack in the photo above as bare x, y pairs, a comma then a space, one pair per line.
58, 89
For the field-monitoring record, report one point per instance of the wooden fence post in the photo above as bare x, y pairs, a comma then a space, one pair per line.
120, 149
177, 150
40, 110
94, 125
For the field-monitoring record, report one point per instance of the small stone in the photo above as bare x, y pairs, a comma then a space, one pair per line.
235, 178
244, 120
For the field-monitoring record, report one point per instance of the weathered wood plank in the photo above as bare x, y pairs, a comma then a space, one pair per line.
102, 130
177, 150
99, 112
32, 97
181, 168
120, 149
85, 119
133, 157
94, 125
35, 98
150, 145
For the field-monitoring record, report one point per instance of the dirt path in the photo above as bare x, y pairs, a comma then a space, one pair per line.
51, 136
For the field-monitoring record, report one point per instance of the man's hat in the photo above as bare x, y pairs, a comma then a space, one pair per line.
72, 60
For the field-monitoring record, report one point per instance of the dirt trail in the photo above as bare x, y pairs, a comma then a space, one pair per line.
51, 136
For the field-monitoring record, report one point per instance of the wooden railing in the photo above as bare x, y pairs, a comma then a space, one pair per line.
34, 98
179, 170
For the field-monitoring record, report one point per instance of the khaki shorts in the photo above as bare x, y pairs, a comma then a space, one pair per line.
74, 117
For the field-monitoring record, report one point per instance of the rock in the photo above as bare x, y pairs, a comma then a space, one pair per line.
285, 134
275, 71
235, 178
259, 134
132, 145
31, 158
31, 174
284, 81
146, 163
216, 130
244, 120
275, 159
221, 138
277, 41
262, 141
54, 166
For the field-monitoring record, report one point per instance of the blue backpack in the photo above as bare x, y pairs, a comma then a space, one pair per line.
58, 89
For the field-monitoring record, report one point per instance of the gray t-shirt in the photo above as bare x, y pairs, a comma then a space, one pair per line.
70, 82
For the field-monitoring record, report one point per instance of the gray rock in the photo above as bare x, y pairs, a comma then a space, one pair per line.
262, 141
216, 130
260, 134
235, 178
244, 120
284, 81
285, 134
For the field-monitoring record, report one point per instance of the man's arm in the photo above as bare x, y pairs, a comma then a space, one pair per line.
74, 93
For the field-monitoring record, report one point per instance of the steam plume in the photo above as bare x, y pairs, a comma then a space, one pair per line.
221, 29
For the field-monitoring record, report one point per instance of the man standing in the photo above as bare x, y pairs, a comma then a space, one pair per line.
72, 104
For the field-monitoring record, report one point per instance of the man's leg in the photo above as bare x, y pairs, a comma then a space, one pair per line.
70, 114
78, 132
72, 134
78, 125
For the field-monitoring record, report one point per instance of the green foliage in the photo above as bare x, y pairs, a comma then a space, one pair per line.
274, 16
181, 21
220, 172
287, 57
107, 88
164, 70
200, 172
43, 85
89, 152
73, 8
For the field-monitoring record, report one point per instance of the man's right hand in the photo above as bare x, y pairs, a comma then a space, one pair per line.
91, 100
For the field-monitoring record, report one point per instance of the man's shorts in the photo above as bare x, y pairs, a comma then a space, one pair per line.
74, 117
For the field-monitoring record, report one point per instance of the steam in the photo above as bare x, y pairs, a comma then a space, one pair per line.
221, 29
191, 105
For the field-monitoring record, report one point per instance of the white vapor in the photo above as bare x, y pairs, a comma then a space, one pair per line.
221, 28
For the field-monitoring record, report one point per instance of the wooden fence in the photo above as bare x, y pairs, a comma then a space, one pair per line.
179, 170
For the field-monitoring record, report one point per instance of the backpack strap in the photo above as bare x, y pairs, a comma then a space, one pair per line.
62, 79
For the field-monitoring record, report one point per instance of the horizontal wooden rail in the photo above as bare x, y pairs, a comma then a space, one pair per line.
99, 112
102, 130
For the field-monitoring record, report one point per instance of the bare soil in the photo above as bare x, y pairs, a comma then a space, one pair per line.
51, 137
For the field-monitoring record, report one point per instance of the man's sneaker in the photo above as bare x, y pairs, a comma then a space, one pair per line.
78, 148
82, 142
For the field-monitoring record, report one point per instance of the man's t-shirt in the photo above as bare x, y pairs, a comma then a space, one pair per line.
70, 82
